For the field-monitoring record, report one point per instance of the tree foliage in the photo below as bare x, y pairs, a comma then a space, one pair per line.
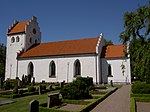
2, 60
108, 42
137, 29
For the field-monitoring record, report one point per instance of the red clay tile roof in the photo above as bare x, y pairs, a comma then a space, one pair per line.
69, 47
113, 51
18, 28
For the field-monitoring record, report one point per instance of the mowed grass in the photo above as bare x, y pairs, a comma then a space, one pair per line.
22, 104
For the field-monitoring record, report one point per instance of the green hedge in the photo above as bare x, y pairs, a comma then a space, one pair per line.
132, 105
141, 88
79, 102
140, 95
31, 89
18, 95
45, 109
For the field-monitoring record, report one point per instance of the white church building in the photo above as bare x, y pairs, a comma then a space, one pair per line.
63, 60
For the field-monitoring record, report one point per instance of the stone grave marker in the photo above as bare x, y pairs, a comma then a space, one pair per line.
1, 82
34, 106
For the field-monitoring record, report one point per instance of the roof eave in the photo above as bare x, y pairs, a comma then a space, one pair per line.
8, 34
56, 55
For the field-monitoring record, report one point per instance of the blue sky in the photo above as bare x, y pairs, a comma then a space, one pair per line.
69, 19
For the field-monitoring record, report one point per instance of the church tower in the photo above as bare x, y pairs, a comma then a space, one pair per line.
20, 37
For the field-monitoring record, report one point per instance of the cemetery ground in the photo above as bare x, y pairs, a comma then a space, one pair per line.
21, 104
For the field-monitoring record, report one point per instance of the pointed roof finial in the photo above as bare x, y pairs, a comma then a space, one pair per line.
34, 18
101, 35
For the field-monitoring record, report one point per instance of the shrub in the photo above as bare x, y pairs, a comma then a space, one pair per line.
141, 88
10, 84
78, 89
15, 90
31, 89
88, 80
43, 87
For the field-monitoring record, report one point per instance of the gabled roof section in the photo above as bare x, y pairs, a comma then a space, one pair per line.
113, 51
69, 47
19, 27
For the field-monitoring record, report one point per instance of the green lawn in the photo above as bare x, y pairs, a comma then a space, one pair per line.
21, 104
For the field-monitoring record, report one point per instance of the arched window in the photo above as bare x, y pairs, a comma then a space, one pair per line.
35, 41
30, 40
17, 39
77, 68
12, 40
30, 71
109, 71
52, 69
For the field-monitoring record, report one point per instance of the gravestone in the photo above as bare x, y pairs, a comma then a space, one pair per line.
40, 89
33, 81
111, 83
62, 84
53, 99
1, 82
34, 106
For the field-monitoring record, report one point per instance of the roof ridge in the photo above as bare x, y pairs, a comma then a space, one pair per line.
114, 45
69, 40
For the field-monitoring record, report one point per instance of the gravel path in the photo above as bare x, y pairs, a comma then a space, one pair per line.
117, 102
143, 107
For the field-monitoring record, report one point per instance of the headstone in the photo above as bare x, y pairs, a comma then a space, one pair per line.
1, 82
33, 81
53, 99
19, 81
40, 89
43, 81
34, 106
111, 83
62, 84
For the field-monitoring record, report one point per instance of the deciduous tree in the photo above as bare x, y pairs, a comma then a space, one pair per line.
137, 31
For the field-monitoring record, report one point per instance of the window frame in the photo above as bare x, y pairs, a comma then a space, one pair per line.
52, 70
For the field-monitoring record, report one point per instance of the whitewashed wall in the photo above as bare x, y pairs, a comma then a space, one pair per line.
11, 54
117, 74
24, 43
41, 68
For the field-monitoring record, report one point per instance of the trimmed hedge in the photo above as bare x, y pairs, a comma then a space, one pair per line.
31, 89
43, 109
141, 88
132, 105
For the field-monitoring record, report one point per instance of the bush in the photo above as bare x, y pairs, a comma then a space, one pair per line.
10, 84
88, 80
141, 88
31, 89
15, 90
43, 87
78, 89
